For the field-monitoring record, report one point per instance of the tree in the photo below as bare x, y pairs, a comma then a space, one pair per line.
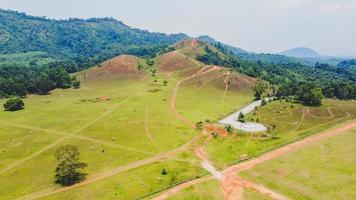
259, 89
241, 117
310, 94
199, 125
44, 84
68, 165
164, 172
14, 104
76, 84
165, 82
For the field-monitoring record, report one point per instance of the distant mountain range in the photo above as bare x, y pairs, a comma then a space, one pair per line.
301, 52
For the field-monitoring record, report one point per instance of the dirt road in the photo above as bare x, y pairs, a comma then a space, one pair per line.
231, 184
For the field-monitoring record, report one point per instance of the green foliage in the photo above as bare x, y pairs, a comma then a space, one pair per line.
165, 82
310, 95
68, 165
333, 81
241, 117
14, 104
199, 125
20, 81
164, 172
85, 42
259, 89
229, 128
76, 84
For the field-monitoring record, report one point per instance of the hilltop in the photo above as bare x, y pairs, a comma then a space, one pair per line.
301, 52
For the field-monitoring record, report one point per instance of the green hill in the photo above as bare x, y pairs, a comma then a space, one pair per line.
92, 40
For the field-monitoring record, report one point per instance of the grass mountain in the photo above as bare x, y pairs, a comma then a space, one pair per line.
301, 52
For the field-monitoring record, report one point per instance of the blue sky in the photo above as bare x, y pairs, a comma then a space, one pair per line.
328, 26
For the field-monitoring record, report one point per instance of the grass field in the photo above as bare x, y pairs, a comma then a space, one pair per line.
129, 125
292, 121
208, 190
323, 170
120, 115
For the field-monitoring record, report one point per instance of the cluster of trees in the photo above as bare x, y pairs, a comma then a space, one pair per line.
317, 81
20, 81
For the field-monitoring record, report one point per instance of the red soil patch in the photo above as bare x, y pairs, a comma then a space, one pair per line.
104, 98
126, 66
174, 61
192, 43
212, 128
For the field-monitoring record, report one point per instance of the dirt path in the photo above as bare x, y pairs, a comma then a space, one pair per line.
226, 82
114, 171
175, 92
106, 113
231, 182
305, 111
111, 144
207, 82
147, 129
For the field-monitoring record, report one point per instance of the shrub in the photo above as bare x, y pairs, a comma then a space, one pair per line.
241, 117
164, 172
199, 125
14, 104
76, 84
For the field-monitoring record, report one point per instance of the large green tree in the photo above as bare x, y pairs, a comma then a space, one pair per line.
67, 171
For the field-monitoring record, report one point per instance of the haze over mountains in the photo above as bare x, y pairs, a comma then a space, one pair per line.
300, 52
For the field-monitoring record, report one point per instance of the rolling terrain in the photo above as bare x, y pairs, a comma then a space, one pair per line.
134, 117
124, 120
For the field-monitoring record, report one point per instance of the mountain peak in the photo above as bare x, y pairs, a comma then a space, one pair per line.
300, 52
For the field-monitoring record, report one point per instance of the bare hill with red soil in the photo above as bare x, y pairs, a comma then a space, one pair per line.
124, 66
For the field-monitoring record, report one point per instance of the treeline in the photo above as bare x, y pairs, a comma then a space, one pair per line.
292, 79
20, 81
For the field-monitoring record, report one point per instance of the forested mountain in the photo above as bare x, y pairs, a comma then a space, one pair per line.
332, 81
347, 63
210, 40
301, 52
90, 41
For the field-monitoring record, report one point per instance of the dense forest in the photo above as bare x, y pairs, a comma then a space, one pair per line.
20, 81
294, 78
86, 42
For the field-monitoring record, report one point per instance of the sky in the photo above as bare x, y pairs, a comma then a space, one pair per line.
271, 26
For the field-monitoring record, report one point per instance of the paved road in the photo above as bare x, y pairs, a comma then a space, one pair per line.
248, 126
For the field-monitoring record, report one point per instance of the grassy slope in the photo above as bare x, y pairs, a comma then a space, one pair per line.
136, 123
290, 125
324, 170
208, 190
